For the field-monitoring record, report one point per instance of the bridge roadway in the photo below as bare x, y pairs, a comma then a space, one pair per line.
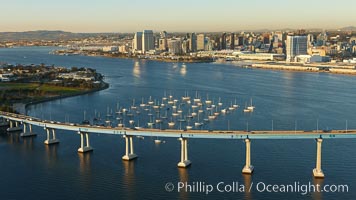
285, 134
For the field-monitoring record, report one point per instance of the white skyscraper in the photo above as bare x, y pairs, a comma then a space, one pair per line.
201, 42
137, 42
296, 45
148, 42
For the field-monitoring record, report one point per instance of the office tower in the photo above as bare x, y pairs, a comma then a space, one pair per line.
148, 42
193, 42
175, 46
296, 45
200, 42
241, 41
310, 40
232, 41
223, 41
163, 34
185, 46
137, 42
163, 44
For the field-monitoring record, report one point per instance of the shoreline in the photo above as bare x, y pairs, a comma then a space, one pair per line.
24, 105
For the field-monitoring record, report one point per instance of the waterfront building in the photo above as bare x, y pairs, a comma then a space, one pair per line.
260, 56
175, 46
147, 41
311, 58
295, 45
137, 42
193, 42
201, 42
110, 48
185, 46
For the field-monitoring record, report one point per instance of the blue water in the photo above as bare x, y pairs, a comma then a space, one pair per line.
292, 100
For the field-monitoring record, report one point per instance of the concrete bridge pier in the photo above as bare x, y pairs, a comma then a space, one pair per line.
317, 171
248, 168
184, 161
129, 152
87, 147
14, 126
50, 140
27, 133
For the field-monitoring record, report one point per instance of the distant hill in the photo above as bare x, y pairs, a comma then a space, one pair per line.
42, 35
348, 28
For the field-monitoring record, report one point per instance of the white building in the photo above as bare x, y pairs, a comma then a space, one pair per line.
311, 58
296, 45
110, 48
148, 42
6, 77
259, 56
175, 46
137, 42
201, 42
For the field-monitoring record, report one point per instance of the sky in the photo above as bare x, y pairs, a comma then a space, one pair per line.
174, 15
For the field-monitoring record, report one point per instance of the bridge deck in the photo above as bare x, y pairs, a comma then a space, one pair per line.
284, 134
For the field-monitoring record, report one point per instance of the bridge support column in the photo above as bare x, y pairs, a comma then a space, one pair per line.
50, 140
317, 171
129, 152
27, 133
14, 127
248, 168
184, 161
87, 147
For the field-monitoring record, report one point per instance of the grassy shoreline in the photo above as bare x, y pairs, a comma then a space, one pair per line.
45, 93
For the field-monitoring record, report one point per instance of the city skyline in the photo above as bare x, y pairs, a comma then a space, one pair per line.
197, 16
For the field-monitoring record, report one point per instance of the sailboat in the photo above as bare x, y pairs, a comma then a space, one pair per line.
150, 102
120, 125
158, 141
216, 113
251, 107
235, 104
196, 99
171, 123
231, 107
186, 97
164, 98
246, 109
142, 103
207, 101
133, 107
198, 123
219, 103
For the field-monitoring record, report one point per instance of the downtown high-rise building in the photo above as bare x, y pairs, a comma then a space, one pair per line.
223, 41
137, 42
295, 45
193, 42
148, 42
232, 41
201, 42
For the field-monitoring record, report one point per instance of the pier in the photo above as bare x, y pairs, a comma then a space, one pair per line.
19, 122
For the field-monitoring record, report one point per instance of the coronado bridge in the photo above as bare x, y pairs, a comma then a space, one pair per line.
23, 123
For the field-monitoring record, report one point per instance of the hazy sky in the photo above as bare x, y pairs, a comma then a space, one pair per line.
178, 15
